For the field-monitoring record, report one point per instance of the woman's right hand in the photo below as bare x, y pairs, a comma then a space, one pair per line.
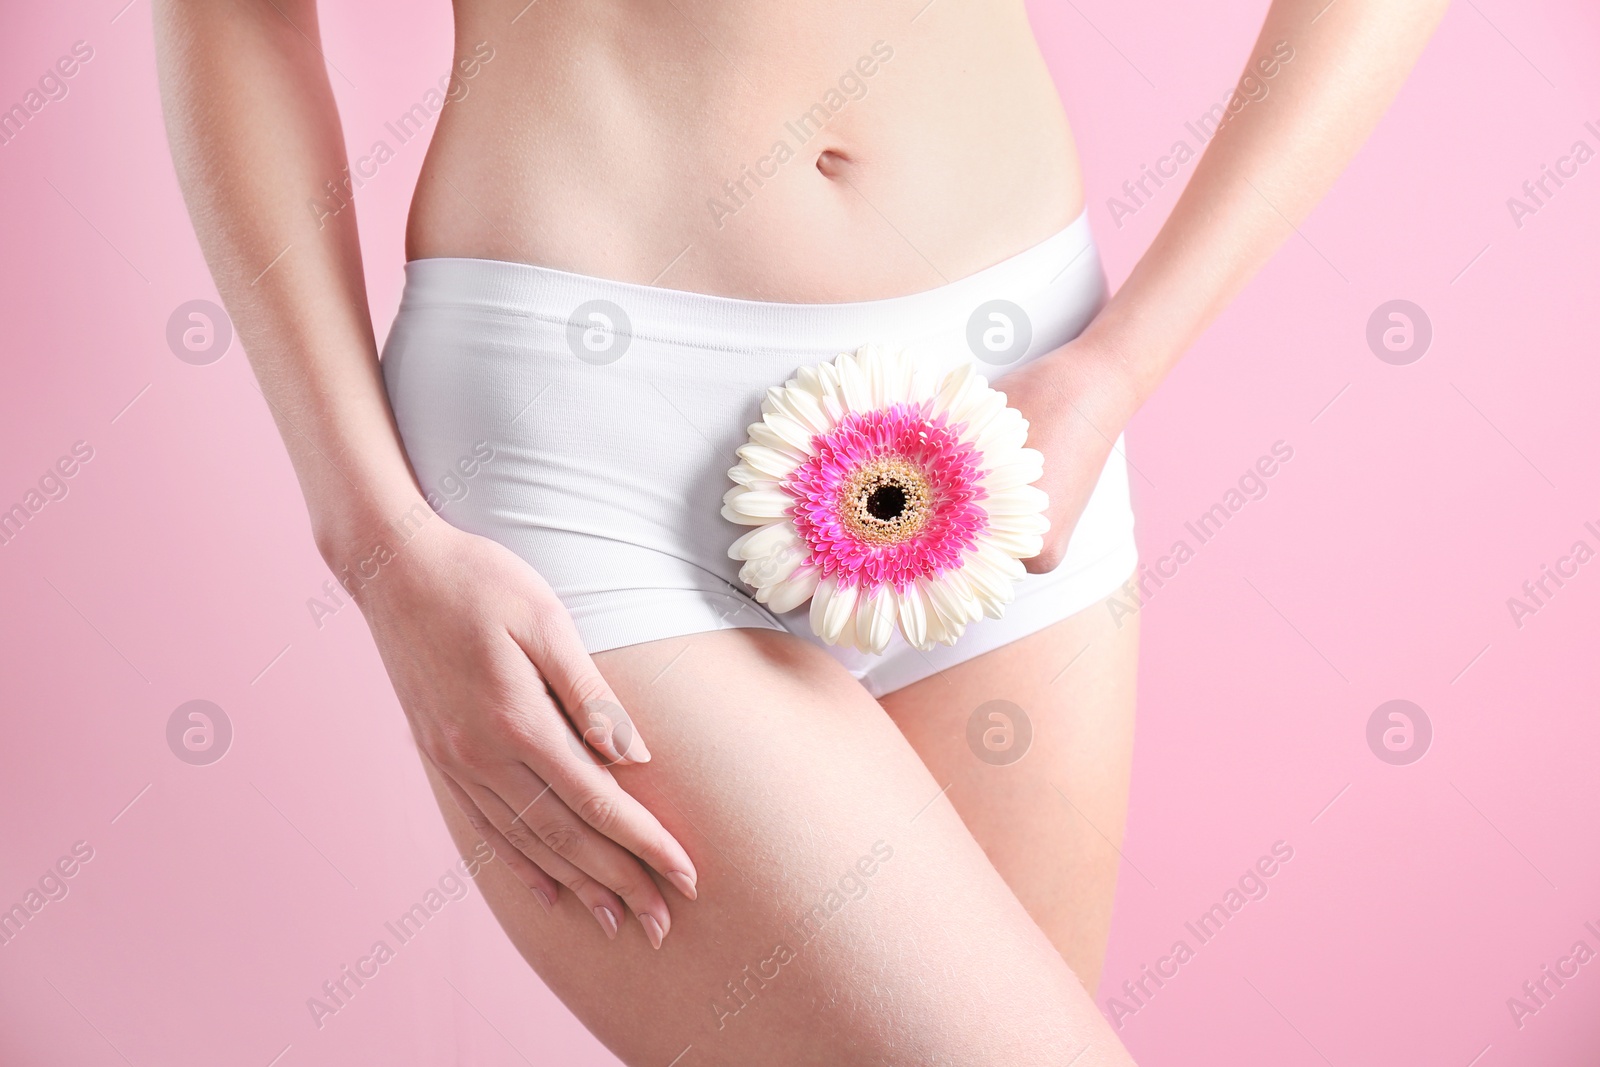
497, 686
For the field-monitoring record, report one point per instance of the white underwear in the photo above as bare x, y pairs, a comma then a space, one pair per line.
589, 425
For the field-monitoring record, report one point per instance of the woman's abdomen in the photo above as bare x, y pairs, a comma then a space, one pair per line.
754, 148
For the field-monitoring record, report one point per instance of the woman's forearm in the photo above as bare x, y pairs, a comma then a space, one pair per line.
255, 137
1270, 163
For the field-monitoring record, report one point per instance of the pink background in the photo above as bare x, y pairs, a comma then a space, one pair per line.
1420, 497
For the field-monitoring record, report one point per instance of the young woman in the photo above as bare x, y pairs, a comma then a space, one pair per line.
721, 839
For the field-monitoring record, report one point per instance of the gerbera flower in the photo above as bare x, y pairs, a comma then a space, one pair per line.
889, 493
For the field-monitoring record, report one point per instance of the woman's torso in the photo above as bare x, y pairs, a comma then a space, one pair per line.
765, 149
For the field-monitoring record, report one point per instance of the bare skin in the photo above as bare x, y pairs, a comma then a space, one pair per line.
780, 775
627, 119
639, 881
1051, 823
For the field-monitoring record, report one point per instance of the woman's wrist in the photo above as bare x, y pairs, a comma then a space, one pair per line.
1097, 380
1136, 349
361, 531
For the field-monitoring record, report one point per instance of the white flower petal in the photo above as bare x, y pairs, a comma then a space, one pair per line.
991, 585
899, 377
924, 373
847, 632
999, 439
941, 633
913, 612
965, 390
888, 377
765, 571
774, 537
1018, 544
977, 411
838, 620
819, 603
753, 506
952, 598
929, 611
751, 478
869, 361
808, 378
1025, 466
833, 401
890, 372
943, 626
853, 385
1031, 523
1000, 424
799, 405
1008, 565
831, 609
1018, 500
791, 592
763, 435
807, 409
789, 431
875, 617
769, 462
958, 379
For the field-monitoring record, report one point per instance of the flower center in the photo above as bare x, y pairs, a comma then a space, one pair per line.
885, 501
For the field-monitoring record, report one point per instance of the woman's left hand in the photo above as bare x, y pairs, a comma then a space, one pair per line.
1076, 400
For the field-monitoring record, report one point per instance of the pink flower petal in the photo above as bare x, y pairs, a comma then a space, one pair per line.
935, 447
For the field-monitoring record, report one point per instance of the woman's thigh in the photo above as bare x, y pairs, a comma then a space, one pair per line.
1049, 808
845, 915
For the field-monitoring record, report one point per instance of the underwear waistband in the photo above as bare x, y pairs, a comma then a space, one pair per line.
703, 321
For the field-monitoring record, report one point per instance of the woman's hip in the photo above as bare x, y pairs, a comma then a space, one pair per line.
590, 425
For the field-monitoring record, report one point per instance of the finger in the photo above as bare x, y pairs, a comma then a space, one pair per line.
545, 889
593, 794
604, 904
569, 671
603, 732
559, 829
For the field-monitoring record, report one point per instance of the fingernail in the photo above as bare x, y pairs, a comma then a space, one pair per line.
652, 929
637, 750
544, 899
608, 921
683, 883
